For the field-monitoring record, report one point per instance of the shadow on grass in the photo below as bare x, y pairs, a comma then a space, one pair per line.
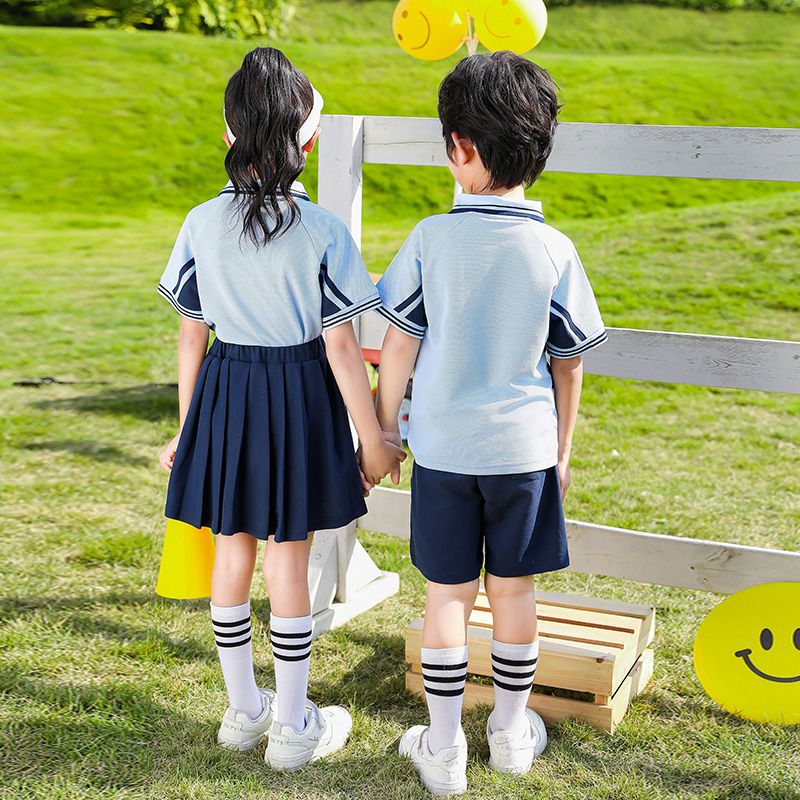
151, 402
111, 733
15, 606
111, 736
94, 450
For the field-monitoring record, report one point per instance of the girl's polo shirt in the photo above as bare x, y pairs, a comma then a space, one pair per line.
285, 292
491, 291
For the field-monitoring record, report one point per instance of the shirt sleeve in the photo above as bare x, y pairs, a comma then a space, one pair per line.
402, 301
347, 289
178, 284
575, 322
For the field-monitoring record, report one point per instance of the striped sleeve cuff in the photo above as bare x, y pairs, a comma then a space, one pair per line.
595, 340
350, 312
401, 323
182, 310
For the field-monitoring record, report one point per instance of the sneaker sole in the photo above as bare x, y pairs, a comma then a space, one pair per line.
443, 789
241, 747
296, 762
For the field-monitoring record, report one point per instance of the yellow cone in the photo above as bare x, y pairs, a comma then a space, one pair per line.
186, 562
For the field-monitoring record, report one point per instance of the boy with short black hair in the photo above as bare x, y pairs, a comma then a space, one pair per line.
493, 310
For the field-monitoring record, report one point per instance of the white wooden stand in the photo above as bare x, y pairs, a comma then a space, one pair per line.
342, 578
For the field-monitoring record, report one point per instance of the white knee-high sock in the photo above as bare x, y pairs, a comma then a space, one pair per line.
444, 673
513, 671
231, 626
291, 647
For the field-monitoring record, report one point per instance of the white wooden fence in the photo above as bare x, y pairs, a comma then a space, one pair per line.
646, 150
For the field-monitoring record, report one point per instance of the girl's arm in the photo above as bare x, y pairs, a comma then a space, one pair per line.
567, 380
192, 346
378, 457
398, 356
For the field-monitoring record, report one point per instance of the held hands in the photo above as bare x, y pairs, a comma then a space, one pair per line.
380, 458
168, 453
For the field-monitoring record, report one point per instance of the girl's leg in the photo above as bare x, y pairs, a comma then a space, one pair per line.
444, 658
230, 617
286, 579
515, 649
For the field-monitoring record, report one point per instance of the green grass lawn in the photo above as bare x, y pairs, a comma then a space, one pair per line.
108, 692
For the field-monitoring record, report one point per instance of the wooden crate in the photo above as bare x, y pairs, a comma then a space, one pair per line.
586, 645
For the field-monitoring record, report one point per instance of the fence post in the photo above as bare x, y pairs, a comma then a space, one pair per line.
342, 577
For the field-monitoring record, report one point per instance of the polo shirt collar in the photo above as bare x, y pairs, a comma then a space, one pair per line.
296, 190
491, 204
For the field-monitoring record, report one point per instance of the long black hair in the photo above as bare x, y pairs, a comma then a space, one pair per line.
266, 101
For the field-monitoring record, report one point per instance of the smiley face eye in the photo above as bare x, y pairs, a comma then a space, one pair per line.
796, 638
766, 638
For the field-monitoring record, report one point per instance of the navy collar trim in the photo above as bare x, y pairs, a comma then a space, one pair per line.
501, 211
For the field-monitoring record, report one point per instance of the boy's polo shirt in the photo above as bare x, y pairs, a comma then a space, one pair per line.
490, 289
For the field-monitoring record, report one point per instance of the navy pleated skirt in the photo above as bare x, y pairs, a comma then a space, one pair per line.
266, 448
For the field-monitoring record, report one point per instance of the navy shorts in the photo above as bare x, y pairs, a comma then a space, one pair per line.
516, 519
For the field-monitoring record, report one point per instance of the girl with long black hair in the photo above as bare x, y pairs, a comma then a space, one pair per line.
264, 449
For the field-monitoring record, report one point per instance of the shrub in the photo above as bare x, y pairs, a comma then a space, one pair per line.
235, 18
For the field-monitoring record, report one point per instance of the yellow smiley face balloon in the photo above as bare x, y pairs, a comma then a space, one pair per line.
429, 29
516, 25
747, 653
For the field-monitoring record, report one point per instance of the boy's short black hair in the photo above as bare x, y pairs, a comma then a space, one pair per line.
507, 106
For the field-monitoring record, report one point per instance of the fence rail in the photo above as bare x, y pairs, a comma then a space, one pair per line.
670, 151
722, 361
621, 553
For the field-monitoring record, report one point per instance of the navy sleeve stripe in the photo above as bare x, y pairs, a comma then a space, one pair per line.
400, 323
332, 286
186, 312
351, 311
409, 300
587, 343
559, 309
181, 272
583, 347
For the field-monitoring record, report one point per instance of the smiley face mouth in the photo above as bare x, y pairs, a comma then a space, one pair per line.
488, 27
428, 36
745, 656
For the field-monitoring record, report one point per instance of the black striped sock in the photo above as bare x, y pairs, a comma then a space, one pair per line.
291, 648
444, 674
233, 635
513, 673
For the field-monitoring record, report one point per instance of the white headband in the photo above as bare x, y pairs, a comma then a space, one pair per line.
307, 129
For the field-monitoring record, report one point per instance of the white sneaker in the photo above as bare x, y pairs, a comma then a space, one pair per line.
326, 732
239, 732
511, 753
444, 773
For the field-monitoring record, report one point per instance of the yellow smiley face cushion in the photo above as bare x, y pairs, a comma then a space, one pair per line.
429, 29
517, 25
747, 653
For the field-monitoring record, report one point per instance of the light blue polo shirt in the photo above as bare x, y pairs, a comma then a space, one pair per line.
283, 293
491, 290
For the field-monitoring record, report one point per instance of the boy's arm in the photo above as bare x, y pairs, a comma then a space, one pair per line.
398, 356
567, 380
192, 346
378, 457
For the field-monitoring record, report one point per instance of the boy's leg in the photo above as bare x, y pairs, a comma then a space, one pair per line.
444, 658
230, 617
515, 649
286, 578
